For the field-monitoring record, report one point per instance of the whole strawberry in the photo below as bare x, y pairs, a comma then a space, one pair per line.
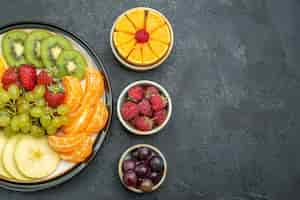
145, 108
136, 93
54, 95
143, 123
27, 76
43, 78
159, 117
10, 76
129, 110
150, 91
158, 102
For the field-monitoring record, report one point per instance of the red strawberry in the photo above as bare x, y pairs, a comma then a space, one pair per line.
44, 78
160, 117
150, 91
129, 110
136, 93
158, 102
10, 76
145, 108
54, 95
143, 123
27, 76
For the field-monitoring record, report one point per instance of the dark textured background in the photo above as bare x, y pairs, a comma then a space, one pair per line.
234, 76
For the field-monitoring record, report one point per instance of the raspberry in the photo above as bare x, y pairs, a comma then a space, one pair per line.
10, 76
143, 123
150, 91
160, 117
27, 76
44, 78
142, 36
136, 93
129, 110
145, 108
158, 102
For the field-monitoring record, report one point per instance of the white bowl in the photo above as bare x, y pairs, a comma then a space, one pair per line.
137, 67
125, 154
121, 100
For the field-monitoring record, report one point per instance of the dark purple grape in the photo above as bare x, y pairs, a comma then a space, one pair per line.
154, 176
152, 154
141, 170
130, 178
139, 182
156, 164
143, 153
146, 185
128, 165
135, 154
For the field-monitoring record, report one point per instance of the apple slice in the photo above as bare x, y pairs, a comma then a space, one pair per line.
34, 157
3, 141
9, 161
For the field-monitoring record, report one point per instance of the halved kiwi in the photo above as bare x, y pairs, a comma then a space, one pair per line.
33, 47
13, 47
71, 62
51, 48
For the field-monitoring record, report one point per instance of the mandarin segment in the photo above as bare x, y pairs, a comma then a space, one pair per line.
124, 25
99, 119
135, 56
125, 49
162, 34
121, 38
73, 92
158, 48
148, 56
65, 143
153, 21
3, 67
137, 16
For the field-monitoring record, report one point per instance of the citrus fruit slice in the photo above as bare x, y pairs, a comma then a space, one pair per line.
137, 16
121, 38
124, 25
158, 48
161, 34
65, 143
73, 92
153, 21
3, 67
148, 56
99, 119
125, 49
135, 56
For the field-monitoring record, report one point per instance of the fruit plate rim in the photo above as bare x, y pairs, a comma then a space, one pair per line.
31, 187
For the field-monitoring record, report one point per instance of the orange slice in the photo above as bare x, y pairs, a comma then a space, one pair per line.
135, 56
73, 92
124, 25
159, 48
137, 16
99, 119
65, 143
81, 153
162, 34
148, 56
153, 21
3, 67
125, 49
121, 38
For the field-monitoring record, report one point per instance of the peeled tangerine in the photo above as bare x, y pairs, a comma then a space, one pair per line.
142, 37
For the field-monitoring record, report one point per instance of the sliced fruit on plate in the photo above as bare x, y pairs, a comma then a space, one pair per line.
51, 48
148, 56
135, 56
121, 38
2, 68
124, 25
3, 141
153, 21
33, 47
34, 157
162, 34
137, 17
8, 159
73, 92
71, 62
81, 153
13, 47
65, 143
158, 48
99, 119
126, 48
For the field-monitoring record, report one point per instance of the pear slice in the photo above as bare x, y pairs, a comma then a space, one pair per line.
9, 161
35, 158
3, 141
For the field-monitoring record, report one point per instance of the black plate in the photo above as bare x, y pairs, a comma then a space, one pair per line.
29, 187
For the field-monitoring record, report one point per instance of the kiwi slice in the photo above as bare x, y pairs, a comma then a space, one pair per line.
13, 47
51, 48
71, 62
33, 47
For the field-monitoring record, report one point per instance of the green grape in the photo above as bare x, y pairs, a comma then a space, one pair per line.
2, 105
8, 132
14, 124
56, 122
4, 97
36, 131
26, 128
13, 91
36, 112
29, 96
4, 120
40, 102
23, 107
39, 91
45, 120
64, 120
24, 119
51, 130
62, 110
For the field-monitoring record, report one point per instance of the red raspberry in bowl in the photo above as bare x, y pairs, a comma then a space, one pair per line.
129, 110
160, 117
145, 108
143, 123
136, 93
150, 91
158, 102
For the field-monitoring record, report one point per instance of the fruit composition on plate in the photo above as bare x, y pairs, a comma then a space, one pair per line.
142, 36
51, 105
145, 107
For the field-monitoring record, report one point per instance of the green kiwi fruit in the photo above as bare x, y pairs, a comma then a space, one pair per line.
71, 62
51, 48
33, 47
13, 47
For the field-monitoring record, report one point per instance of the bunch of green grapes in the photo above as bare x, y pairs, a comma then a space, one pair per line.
28, 113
